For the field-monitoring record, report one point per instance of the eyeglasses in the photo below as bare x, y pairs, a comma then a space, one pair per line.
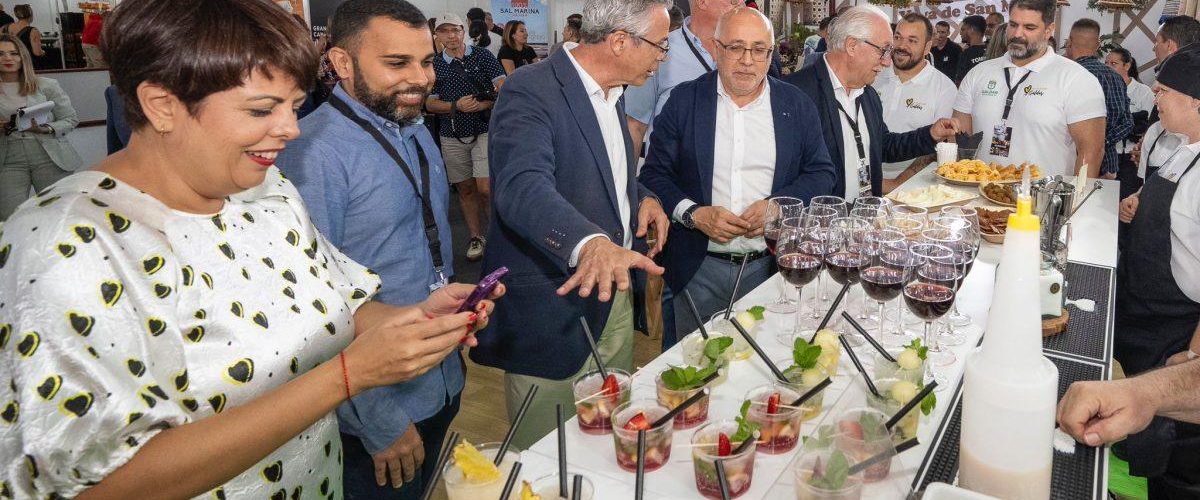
758, 54
884, 52
666, 47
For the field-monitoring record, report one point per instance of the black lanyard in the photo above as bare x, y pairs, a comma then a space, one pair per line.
1012, 91
1151, 169
696, 52
431, 228
862, 152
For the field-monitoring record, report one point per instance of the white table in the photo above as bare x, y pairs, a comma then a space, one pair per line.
1094, 233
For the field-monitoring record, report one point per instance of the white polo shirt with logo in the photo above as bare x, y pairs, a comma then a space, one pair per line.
910, 105
1058, 92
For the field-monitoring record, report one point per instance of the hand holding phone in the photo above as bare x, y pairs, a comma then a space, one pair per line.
483, 290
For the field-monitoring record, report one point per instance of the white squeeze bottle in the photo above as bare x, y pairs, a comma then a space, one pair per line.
1009, 388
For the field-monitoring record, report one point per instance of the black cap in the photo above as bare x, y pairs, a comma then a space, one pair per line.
1180, 69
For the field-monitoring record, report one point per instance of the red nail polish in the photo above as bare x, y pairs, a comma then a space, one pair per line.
472, 317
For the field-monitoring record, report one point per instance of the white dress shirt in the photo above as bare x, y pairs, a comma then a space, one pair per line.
605, 106
1157, 147
743, 162
1185, 219
922, 100
847, 99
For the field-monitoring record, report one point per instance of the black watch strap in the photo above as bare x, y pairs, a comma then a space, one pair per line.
687, 216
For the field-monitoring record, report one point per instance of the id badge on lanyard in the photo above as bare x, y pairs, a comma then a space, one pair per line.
1002, 133
440, 280
864, 177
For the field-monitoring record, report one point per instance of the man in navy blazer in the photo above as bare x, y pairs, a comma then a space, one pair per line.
568, 210
860, 45
723, 144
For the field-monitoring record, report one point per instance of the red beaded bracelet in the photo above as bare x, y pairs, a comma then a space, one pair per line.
345, 373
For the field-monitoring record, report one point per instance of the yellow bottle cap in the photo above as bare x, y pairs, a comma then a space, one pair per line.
1023, 219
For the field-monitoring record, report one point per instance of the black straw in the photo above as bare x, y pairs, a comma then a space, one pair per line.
444, 456
871, 340
562, 452
746, 443
640, 480
512, 429
829, 314
812, 392
587, 334
721, 480
577, 487
858, 364
912, 403
762, 354
695, 313
512, 481
886, 454
737, 283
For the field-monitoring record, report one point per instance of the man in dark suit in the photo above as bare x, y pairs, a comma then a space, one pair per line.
721, 146
859, 142
568, 210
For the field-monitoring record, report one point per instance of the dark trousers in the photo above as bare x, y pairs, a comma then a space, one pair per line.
358, 476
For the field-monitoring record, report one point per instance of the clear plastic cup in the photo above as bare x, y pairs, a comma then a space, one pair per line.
594, 408
547, 488
861, 436
740, 350
458, 487
908, 425
739, 468
690, 417
693, 354
885, 369
780, 431
658, 440
811, 408
816, 461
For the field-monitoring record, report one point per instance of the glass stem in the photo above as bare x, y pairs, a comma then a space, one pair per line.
799, 307
932, 346
881, 304
862, 311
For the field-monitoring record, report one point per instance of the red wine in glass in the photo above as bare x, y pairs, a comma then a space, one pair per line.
799, 269
882, 283
772, 239
929, 301
947, 275
843, 266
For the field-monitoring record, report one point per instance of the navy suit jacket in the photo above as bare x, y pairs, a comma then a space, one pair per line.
552, 186
679, 165
886, 146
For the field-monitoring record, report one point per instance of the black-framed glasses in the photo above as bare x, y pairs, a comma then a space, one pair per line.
884, 52
664, 47
758, 54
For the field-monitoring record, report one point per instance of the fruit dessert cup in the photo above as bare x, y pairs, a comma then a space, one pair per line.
669, 397
713, 442
862, 435
716, 350
547, 488
639, 415
824, 475
896, 393
778, 423
470, 474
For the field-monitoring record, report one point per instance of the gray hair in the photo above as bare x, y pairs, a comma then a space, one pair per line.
738, 11
856, 23
602, 17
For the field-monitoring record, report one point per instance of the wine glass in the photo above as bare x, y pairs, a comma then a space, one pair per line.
965, 220
799, 254
961, 258
882, 273
876, 202
780, 208
822, 216
876, 218
846, 251
908, 219
929, 291
835, 202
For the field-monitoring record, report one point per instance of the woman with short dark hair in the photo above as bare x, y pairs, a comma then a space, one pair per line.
173, 323
516, 51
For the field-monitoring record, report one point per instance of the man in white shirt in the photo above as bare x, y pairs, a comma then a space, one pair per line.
569, 217
1033, 105
914, 93
723, 144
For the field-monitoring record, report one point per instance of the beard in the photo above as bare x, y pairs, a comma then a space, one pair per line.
910, 63
385, 104
1020, 48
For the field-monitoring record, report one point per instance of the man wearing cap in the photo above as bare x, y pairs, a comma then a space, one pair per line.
465, 90
1158, 308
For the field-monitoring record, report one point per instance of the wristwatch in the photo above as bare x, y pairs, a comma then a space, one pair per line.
686, 219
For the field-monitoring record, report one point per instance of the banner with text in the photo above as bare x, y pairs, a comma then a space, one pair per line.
952, 12
534, 13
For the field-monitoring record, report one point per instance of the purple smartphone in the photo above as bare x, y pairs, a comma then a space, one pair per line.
484, 289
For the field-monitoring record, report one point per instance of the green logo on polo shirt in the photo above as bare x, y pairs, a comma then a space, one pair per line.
990, 91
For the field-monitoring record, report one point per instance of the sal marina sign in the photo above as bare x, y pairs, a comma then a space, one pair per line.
534, 13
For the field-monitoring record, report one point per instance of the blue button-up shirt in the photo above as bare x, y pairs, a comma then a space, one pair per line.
643, 103
363, 204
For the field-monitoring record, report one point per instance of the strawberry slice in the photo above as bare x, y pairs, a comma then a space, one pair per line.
773, 404
724, 447
852, 429
638, 423
610, 388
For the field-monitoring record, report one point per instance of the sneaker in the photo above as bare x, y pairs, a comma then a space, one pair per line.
475, 249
